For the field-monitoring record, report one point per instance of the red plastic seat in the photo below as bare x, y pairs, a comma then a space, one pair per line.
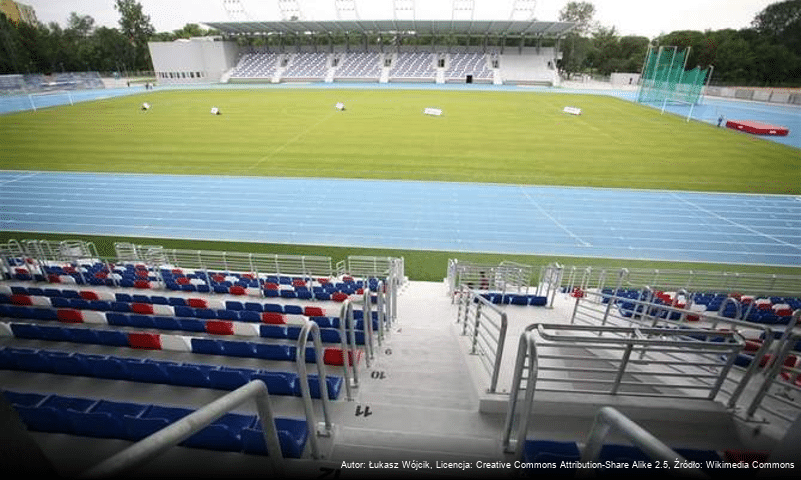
142, 308
217, 327
147, 341
69, 315
237, 290
273, 318
197, 303
333, 356
88, 295
313, 312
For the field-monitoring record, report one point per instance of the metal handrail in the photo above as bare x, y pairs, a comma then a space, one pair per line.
608, 418
480, 332
527, 349
170, 436
325, 428
367, 318
347, 338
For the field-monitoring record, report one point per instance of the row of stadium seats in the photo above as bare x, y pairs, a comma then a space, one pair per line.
134, 421
159, 371
361, 65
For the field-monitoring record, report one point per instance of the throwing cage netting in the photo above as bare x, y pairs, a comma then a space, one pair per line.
665, 79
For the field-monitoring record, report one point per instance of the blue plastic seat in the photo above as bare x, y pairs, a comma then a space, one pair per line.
227, 379
273, 307
108, 367
278, 383
27, 331
83, 335
148, 371
234, 305
166, 323
272, 331
112, 338
141, 321
94, 424
207, 346
191, 325
68, 364
118, 319
54, 333
68, 403
250, 316
43, 419
238, 349
274, 352
225, 314
334, 385
187, 376
254, 307
137, 428
32, 361
18, 399
292, 436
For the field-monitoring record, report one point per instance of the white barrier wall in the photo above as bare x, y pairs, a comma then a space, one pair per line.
770, 95
196, 60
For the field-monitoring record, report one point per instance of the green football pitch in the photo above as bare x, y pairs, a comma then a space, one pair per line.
482, 136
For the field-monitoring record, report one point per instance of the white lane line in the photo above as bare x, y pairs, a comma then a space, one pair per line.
556, 222
16, 179
744, 227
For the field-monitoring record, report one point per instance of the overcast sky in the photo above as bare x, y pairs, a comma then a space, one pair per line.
644, 17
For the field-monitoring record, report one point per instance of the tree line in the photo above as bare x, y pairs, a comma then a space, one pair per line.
768, 53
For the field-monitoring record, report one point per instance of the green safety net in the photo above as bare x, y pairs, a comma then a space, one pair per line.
665, 80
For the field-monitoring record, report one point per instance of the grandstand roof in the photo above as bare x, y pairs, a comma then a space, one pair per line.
436, 27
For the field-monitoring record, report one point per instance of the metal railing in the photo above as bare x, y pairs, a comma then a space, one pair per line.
486, 326
609, 418
768, 385
170, 436
324, 429
347, 339
693, 280
505, 277
537, 346
305, 266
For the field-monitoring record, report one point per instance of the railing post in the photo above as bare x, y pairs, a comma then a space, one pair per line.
475, 329
498, 354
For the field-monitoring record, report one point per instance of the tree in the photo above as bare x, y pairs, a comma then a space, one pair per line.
82, 25
782, 21
581, 13
135, 25
576, 46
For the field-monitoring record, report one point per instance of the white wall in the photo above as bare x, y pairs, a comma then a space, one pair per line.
197, 60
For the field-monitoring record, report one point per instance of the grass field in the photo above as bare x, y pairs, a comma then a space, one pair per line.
483, 136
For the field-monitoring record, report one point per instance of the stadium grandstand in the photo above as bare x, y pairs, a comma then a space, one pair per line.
303, 51
141, 359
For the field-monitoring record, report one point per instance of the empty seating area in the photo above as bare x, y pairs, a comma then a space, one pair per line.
72, 317
462, 64
359, 66
307, 66
413, 65
256, 65
92, 417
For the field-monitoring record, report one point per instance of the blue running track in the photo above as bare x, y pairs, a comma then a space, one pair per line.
461, 217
